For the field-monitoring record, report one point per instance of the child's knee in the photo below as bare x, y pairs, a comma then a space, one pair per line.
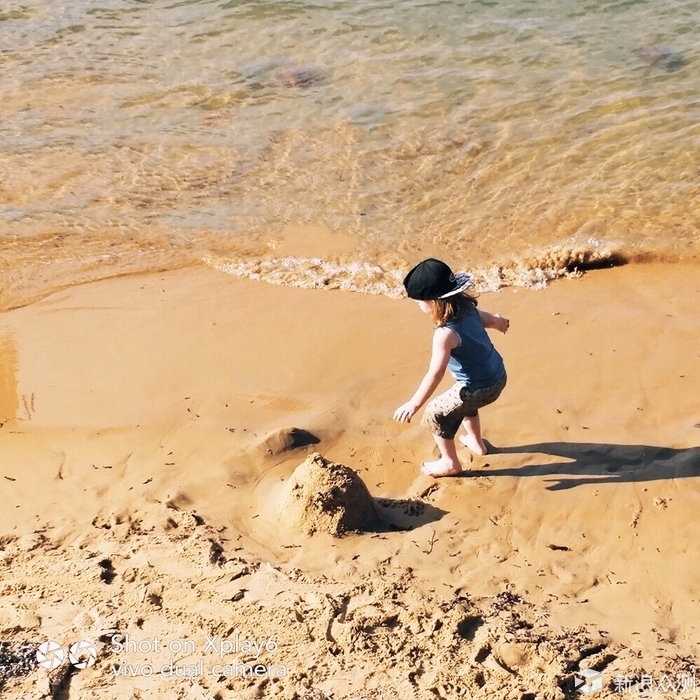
441, 425
429, 420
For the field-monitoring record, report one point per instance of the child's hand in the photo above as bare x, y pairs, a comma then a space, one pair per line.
404, 413
501, 323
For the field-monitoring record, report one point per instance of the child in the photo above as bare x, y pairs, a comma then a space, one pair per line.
460, 344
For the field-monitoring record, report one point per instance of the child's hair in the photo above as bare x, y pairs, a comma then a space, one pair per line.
452, 308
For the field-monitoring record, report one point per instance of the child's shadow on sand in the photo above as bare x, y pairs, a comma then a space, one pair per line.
599, 463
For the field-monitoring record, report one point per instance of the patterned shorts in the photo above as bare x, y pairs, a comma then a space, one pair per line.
445, 412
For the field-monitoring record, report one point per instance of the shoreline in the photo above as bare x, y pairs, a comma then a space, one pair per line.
132, 407
312, 257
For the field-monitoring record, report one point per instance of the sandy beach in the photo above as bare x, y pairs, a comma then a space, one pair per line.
143, 465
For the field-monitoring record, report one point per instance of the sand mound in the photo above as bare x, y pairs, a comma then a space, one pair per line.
284, 439
322, 496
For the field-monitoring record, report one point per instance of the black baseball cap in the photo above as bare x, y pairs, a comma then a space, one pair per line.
433, 279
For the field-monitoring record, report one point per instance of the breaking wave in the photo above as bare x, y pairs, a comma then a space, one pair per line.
371, 278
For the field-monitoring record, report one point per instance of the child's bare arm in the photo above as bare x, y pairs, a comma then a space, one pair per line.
500, 323
444, 341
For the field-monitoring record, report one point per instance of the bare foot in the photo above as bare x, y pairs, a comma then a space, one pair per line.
477, 447
441, 467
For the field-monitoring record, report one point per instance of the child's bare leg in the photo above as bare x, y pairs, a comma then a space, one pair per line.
448, 464
472, 440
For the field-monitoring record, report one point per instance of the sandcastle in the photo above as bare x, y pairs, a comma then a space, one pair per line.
322, 496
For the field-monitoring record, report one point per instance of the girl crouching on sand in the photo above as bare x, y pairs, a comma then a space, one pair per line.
460, 344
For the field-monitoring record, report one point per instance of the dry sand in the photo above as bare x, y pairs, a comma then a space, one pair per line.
142, 485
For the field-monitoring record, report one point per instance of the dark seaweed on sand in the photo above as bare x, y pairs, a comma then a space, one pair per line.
18, 659
505, 601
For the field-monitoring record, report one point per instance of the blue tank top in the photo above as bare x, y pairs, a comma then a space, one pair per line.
475, 361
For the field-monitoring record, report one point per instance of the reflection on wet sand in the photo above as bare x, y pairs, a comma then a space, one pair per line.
9, 360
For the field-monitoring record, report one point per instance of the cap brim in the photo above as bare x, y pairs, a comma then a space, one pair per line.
463, 280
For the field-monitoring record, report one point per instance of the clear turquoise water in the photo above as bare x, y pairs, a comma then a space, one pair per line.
512, 138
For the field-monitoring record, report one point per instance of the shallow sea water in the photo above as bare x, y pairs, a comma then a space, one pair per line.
517, 139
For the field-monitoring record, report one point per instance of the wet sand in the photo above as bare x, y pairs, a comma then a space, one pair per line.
141, 491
